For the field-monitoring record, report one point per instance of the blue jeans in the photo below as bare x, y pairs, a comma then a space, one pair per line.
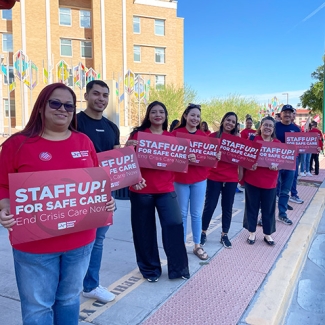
305, 162
91, 280
192, 194
283, 188
49, 285
294, 191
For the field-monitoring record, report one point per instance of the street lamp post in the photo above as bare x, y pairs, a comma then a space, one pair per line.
287, 97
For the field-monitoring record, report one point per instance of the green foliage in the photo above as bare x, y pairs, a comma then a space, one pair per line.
313, 97
175, 98
214, 109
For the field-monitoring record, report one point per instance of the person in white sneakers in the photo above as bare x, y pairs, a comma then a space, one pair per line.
105, 135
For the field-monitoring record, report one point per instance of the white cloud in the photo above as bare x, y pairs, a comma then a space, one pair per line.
293, 97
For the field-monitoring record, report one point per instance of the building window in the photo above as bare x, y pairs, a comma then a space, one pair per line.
160, 82
159, 55
7, 43
159, 27
7, 14
136, 53
85, 21
11, 76
12, 107
66, 47
86, 49
136, 25
65, 16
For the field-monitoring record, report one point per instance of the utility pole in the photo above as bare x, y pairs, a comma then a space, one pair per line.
287, 97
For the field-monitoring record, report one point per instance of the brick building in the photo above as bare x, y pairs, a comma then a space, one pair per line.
68, 37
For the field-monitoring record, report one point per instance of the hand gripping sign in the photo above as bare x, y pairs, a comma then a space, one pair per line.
204, 148
306, 142
277, 154
162, 152
53, 203
124, 166
239, 151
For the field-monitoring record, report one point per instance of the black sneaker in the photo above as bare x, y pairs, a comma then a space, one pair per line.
289, 207
186, 277
152, 279
259, 222
285, 220
225, 241
203, 238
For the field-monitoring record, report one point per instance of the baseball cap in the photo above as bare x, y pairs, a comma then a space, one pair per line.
287, 108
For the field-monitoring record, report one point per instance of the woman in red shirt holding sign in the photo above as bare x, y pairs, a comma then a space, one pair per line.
49, 272
260, 189
248, 131
157, 194
221, 180
190, 187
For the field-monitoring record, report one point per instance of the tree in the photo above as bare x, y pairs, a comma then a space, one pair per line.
313, 97
214, 109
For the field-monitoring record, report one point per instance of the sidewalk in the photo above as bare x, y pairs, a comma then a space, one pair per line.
244, 285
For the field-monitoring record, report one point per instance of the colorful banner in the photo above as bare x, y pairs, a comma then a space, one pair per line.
129, 82
281, 155
163, 152
239, 151
62, 72
31, 80
204, 148
124, 166
20, 62
306, 142
54, 203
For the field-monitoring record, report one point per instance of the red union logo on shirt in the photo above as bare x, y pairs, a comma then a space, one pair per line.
79, 154
45, 156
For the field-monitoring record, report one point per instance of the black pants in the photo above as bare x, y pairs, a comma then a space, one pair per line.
315, 157
144, 230
212, 194
256, 197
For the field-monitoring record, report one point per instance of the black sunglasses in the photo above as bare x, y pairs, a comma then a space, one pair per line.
56, 104
190, 105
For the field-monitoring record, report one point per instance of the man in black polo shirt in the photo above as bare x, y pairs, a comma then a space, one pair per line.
105, 135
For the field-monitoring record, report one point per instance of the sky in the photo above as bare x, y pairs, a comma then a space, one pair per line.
254, 48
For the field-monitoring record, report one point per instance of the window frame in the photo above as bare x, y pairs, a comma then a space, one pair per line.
66, 39
84, 10
136, 46
156, 77
11, 76
3, 43
157, 26
64, 8
6, 11
81, 47
6, 108
138, 23
164, 55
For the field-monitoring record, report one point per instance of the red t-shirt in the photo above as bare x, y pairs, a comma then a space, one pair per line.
262, 177
225, 172
320, 142
20, 154
157, 181
195, 173
246, 133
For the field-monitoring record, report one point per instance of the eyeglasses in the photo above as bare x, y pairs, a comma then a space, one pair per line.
190, 105
268, 125
56, 104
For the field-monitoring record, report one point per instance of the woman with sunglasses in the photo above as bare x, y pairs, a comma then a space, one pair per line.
158, 194
190, 187
49, 272
221, 180
260, 189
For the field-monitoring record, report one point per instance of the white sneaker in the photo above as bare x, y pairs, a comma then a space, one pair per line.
100, 293
303, 174
309, 174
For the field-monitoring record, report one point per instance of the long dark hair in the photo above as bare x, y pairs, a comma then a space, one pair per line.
182, 123
264, 119
173, 125
233, 131
36, 124
146, 122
